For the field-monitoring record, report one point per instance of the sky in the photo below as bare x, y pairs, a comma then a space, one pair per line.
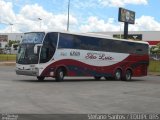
85, 15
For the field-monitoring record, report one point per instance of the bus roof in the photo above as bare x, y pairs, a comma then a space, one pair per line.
95, 35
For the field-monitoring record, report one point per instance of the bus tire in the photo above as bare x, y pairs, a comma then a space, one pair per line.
97, 77
118, 74
40, 78
59, 75
128, 75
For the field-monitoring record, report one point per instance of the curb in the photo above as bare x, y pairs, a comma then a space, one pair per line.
7, 63
154, 73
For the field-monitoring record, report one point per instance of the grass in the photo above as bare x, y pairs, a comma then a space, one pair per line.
154, 66
7, 57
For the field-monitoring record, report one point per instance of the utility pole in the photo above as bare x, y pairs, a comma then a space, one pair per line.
68, 15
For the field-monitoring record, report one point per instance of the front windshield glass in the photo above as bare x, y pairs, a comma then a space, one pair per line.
33, 37
26, 54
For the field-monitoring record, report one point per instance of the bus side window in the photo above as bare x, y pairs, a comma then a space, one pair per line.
66, 41
43, 54
49, 47
139, 51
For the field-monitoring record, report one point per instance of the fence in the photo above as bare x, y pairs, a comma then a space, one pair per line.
154, 56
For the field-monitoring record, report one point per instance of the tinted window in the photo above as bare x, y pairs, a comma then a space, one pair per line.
66, 41
89, 43
141, 49
77, 42
119, 46
49, 47
101, 44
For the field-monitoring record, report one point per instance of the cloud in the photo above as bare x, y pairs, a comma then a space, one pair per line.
27, 19
145, 23
94, 24
120, 3
49, 20
6, 14
84, 4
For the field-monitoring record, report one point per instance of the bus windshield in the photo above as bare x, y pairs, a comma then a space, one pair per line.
26, 54
33, 37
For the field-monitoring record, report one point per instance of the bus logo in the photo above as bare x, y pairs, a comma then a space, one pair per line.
98, 56
74, 53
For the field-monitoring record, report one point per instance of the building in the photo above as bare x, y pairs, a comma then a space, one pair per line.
152, 37
6, 37
4, 40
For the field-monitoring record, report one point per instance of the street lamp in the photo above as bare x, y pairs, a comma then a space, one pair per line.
40, 22
68, 15
11, 24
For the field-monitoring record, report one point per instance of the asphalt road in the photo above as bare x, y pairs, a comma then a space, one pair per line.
24, 94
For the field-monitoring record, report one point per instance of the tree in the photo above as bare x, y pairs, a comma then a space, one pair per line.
155, 49
12, 42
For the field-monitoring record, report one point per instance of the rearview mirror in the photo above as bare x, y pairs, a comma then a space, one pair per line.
36, 48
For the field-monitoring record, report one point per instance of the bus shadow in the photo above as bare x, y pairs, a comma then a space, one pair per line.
33, 81
76, 80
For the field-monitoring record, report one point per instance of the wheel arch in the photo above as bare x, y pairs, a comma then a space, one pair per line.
130, 69
118, 68
64, 68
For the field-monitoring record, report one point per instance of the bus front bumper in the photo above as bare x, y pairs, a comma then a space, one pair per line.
29, 72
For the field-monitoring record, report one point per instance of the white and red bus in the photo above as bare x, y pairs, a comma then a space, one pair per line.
60, 54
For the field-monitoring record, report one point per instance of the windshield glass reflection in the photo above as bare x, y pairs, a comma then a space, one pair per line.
26, 54
35, 37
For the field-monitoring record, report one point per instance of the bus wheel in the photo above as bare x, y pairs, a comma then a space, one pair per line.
59, 75
40, 78
97, 77
128, 75
118, 74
